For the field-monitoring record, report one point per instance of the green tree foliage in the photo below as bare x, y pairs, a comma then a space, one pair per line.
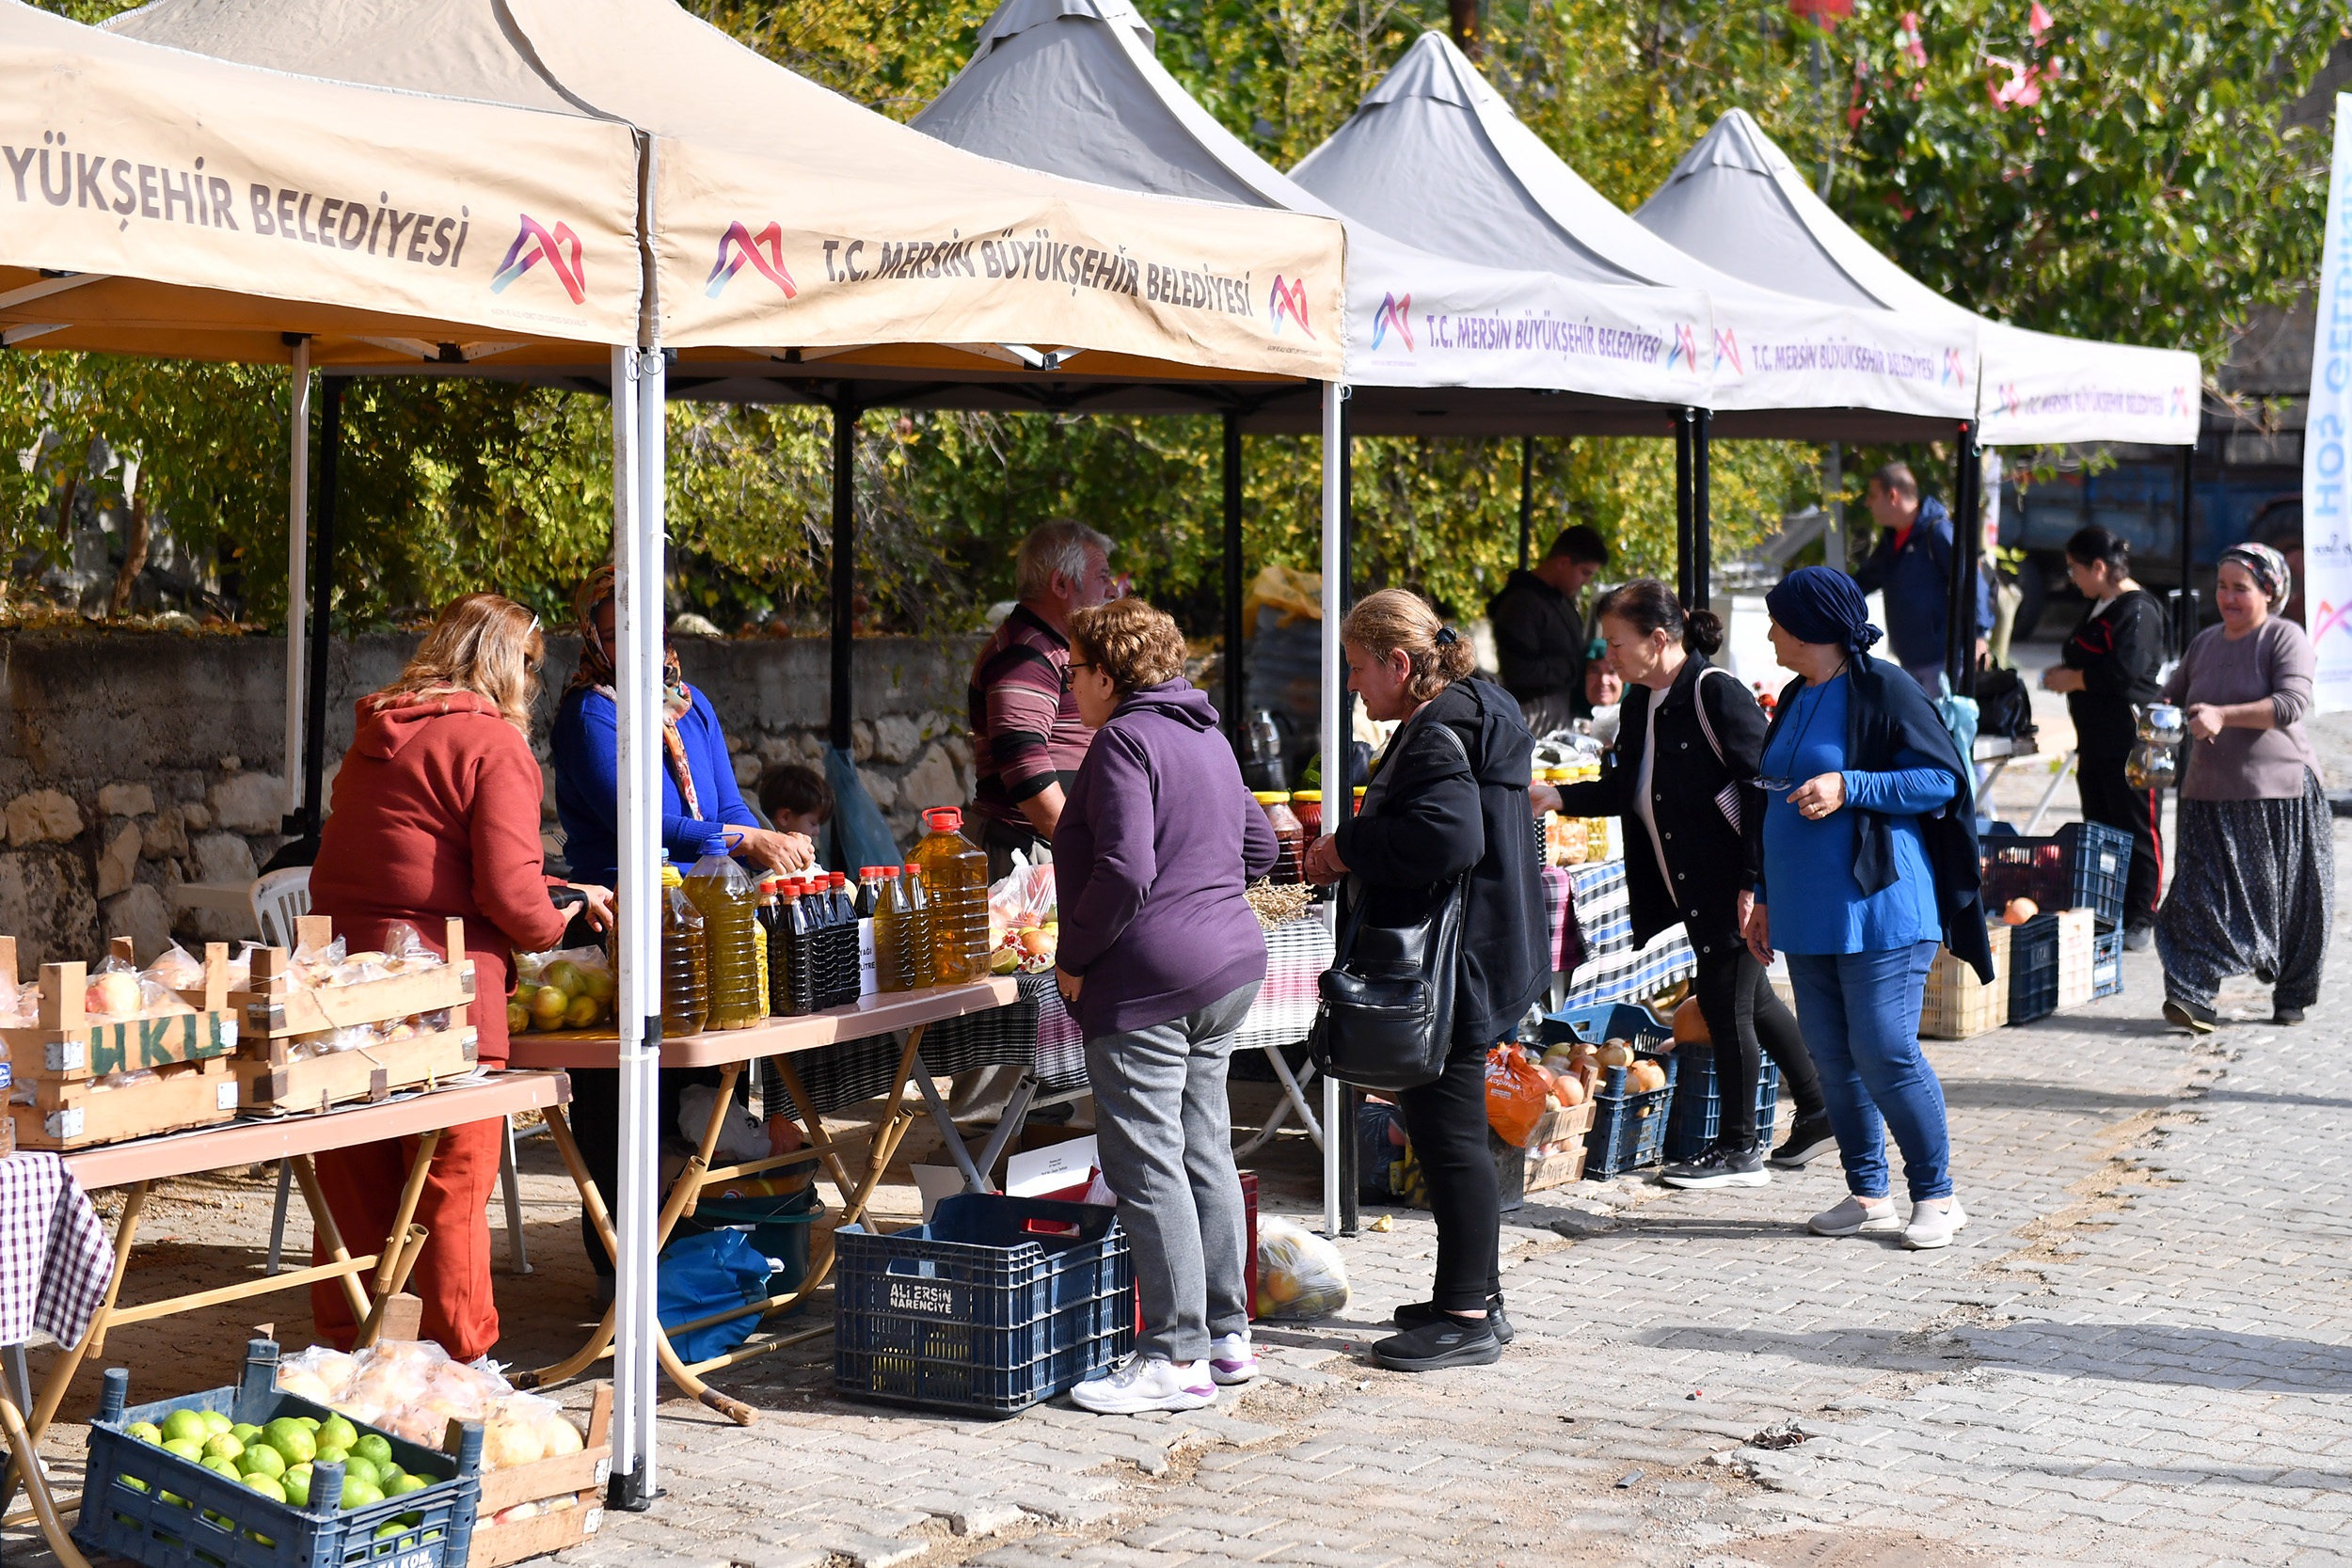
2150, 193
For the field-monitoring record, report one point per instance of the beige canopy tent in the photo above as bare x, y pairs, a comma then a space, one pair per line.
800, 247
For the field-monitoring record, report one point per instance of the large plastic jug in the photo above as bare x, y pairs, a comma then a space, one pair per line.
731, 941
895, 960
684, 976
955, 874
922, 963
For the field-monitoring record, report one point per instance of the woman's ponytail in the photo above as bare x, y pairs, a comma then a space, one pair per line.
1703, 632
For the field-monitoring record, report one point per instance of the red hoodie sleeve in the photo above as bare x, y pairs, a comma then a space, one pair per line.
509, 876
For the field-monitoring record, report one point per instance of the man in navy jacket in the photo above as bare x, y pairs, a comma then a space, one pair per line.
1913, 565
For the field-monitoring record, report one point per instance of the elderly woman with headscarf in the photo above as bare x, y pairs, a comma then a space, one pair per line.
1869, 859
702, 812
2255, 888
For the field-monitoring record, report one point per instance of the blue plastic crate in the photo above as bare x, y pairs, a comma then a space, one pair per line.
1629, 1130
2106, 961
1608, 1020
2033, 969
2082, 866
220, 1523
995, 1304
1696, 1116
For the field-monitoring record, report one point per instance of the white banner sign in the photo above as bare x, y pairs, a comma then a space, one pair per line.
2327, 523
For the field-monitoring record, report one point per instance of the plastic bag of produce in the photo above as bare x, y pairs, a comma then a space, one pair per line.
118, 990
176, 968
1299, 1273
1518, 1094
523, 1429
320, 1374
19, 1006
565, 988
404, 949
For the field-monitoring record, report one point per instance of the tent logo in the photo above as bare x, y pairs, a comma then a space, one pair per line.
1288, 299
738, 245
2330, 618
1727, 349
2007, 396
534, 244
1686, 348
1955, 371
1393, 313
2180, 402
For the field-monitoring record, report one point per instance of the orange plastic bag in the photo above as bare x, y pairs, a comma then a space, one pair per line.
1517, 1095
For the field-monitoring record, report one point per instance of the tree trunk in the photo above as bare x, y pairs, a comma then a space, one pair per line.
134, 562
1463, 14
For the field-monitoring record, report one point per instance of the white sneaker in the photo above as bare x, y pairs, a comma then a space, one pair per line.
1858, 1216
1232, 1360
1147, 1383
1934, 1221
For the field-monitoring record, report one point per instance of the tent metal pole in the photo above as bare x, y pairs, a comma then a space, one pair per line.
2183, 500
844, 416
1682, 505
297, 549
1702, 542
1335, 773
638, 394
1960, 629
1527, 501
1234, 690
322, 607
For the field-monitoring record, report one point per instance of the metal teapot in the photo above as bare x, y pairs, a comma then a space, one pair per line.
2155, 761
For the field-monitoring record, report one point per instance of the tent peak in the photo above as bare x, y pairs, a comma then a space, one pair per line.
1432, 68
1019, 16
1734, 141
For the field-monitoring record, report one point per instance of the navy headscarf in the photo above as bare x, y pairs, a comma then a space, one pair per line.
1815, 603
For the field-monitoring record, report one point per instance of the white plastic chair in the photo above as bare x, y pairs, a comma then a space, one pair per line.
279, 897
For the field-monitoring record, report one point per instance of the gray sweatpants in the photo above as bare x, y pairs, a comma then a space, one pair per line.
1164, 1134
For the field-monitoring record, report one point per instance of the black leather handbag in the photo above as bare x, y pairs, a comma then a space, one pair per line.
1387, 1016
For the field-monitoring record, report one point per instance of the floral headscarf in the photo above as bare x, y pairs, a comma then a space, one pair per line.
595, 675
2266, 566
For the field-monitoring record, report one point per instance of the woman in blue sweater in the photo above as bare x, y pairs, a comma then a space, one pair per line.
700, 805
1868, 860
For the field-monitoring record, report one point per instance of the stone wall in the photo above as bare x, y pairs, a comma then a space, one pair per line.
133, 765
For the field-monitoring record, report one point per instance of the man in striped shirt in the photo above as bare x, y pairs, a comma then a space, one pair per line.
1027, 740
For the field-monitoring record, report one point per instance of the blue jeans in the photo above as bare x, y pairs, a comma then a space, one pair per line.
1861, 1017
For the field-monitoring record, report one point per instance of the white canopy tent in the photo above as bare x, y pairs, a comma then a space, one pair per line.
1736, 201
1434, 156
853, 241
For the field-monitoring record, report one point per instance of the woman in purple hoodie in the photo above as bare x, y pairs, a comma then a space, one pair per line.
1160, 959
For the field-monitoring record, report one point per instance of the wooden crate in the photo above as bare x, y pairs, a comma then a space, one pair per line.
1562, 1132
580, 1477
269, 1080
273, 1007
68, 1045
2076, 930
1956, 1005
77, 1113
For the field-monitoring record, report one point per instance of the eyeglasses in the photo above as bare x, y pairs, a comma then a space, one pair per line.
1075, 668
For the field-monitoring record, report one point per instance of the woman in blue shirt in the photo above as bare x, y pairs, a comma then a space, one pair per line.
1869, 862
701, 806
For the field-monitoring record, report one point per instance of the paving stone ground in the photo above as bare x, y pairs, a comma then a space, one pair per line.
2140, 1351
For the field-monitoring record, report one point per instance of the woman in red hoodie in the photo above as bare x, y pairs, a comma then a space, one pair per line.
436, 813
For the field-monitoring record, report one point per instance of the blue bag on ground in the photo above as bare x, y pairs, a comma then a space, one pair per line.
860, 836
706, 1273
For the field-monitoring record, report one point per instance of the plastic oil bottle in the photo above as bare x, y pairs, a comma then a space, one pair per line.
869, 905
955, 874
684, 980
890, 930
839, 943
763, 921
779, 915
922, 964
731, 939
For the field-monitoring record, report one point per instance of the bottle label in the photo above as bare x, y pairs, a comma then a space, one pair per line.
866, 981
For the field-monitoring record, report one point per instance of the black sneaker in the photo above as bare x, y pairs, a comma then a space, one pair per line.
2190, 1016
1420, 1314
2139, 939
1453, 1342
1720, 1167
2282, 1013
1808, 1140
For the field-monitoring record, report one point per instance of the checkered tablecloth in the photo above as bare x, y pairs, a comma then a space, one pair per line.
54, 1261
1038, 1033
1611, 968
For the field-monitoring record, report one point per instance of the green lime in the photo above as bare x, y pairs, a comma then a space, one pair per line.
267, 1485
296, 1481
359, 1494
225, 1466
291, 1440
336, 1432
185, 1424
245, 1432
310, 1423
176, 1500
133, 1482
262, 1460
215, 1422
258, 1539
186, 1448
146, 1431
402, 1483
329, 1456
223, 1445
362, 1471
389, 1527
413, 1518
374, 1446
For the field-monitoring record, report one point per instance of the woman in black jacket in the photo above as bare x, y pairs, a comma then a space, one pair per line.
1684, 783
2110, 668
1450, 795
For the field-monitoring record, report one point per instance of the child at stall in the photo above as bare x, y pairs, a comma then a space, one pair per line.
796, 799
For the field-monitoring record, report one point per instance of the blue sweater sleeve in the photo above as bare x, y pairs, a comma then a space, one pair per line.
1917, 785
714, 772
